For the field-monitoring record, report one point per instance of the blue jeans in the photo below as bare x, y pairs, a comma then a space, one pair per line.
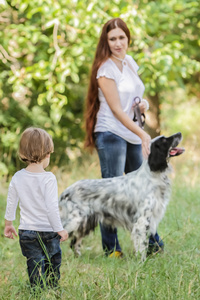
116, 157
43, 253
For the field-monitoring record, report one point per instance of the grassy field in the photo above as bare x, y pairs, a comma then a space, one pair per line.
175, 274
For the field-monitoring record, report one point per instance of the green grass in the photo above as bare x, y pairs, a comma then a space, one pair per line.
175, 274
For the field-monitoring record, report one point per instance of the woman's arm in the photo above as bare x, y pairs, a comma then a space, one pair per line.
109, 89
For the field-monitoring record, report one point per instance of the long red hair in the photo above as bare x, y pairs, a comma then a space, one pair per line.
102, 54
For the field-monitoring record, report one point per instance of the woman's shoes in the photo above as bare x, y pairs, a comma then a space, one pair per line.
117, 254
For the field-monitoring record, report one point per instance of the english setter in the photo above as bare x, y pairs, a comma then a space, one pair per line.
136, 201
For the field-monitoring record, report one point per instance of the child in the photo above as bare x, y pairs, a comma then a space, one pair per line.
40, 229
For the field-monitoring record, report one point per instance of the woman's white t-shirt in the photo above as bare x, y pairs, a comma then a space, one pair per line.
129, 86
37, 194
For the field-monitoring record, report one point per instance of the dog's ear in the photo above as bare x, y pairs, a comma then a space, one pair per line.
157, 157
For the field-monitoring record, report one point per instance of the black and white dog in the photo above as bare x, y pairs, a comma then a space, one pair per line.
136, 201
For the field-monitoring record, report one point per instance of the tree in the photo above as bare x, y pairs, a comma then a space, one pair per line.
167, 47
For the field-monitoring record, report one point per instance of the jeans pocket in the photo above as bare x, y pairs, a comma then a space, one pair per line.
99, 140
29, 243
53, 245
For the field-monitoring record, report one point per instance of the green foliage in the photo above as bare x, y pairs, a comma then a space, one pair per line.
168, 44
46, 52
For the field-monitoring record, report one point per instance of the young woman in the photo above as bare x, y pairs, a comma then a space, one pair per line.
120, 142
40, 229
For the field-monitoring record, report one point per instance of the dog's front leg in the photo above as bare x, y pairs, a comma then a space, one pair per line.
140, 233
139, 236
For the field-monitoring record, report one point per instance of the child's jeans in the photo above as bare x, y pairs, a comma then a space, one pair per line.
43, 253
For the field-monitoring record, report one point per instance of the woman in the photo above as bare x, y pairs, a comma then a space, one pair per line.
120, 142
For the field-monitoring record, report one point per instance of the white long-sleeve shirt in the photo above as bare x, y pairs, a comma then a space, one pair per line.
37, 194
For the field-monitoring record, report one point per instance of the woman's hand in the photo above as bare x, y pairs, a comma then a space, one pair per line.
142, 107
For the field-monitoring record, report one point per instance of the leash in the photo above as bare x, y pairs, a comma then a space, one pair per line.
137, 113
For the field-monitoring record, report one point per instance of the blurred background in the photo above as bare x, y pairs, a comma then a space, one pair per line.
46, 52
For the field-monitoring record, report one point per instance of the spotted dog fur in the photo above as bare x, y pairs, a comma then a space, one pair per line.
136, 201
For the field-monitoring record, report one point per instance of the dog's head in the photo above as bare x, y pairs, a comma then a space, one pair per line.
162, 148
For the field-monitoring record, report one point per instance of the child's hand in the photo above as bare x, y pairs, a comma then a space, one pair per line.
64, 235
9, 231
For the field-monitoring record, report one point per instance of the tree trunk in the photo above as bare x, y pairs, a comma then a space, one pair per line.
152, 124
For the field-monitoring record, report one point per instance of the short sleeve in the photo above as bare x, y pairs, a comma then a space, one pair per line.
106, 70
